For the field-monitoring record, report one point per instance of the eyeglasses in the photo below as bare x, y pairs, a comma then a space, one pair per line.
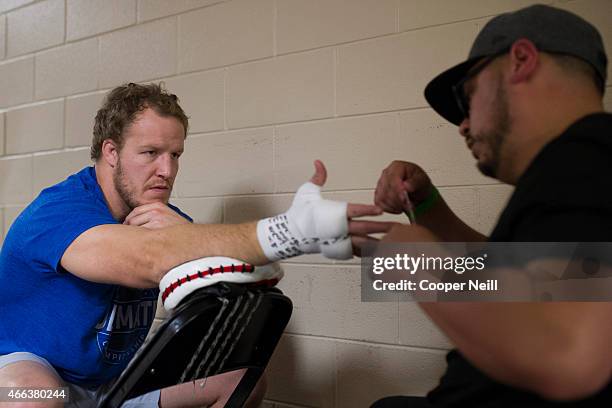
461, 98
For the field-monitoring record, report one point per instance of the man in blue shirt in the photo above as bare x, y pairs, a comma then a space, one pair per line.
81, 265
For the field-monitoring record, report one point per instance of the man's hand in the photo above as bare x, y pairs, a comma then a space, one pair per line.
358, 230
396, 180
314, 224
154, 216
410, 233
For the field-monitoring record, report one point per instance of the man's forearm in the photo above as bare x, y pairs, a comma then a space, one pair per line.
178, 244
139, 257
554, 349
444, 223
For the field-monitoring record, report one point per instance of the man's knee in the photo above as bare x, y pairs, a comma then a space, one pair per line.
214, 391
29, 374
259, 392
232, 379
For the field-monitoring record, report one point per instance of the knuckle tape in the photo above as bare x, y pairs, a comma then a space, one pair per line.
340, 249
330, 219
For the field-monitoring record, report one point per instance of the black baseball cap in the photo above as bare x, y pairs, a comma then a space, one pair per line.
550, 29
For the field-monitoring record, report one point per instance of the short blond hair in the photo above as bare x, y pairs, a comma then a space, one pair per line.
121, 107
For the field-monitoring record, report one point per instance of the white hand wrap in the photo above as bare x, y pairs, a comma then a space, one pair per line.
311, 225
186, 278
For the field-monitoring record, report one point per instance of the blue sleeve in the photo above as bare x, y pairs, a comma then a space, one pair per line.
45, 231
179, 212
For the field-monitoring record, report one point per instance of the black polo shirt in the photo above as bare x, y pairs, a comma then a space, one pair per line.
565, 195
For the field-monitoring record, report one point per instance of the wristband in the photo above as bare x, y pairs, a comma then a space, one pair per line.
429, 202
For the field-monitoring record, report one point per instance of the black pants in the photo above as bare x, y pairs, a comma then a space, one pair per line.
402, 402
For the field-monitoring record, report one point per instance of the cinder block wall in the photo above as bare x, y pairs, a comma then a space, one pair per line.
270, 85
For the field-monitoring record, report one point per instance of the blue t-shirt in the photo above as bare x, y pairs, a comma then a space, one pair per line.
88, 331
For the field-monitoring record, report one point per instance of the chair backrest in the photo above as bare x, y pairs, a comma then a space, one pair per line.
216, 329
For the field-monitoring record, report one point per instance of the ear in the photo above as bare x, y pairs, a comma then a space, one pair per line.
524, 60
110, 152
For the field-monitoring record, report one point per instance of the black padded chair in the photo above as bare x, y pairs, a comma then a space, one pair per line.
216, 329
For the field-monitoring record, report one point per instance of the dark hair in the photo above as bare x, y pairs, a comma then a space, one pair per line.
123, 104
577, 66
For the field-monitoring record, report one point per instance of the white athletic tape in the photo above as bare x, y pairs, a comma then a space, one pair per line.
337, 249
310, 223
186, 278
330, 219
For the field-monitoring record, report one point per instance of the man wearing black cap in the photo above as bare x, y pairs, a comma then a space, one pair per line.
528, 102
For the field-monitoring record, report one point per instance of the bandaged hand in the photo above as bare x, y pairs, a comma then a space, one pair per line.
317, 225
311, 225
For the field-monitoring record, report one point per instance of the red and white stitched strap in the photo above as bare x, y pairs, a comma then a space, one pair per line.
182, 280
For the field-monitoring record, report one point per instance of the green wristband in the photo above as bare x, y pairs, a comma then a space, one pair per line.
429, 202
